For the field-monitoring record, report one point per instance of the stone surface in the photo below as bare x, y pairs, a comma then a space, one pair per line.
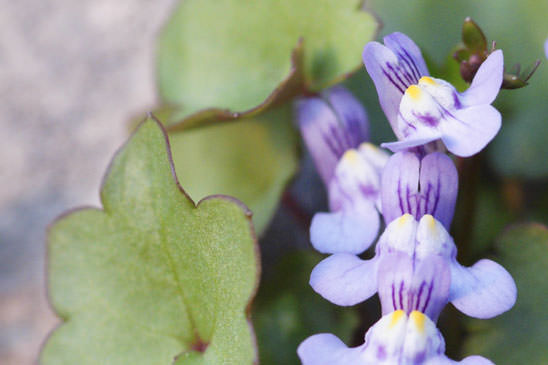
72, 73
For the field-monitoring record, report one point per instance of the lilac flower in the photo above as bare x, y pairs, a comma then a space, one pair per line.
423, 109
415, 268
546, 48
419, 186
331, 124
354, 201
395, 339
334, 127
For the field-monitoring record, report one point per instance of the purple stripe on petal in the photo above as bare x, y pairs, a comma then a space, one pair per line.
331, 126
419, 187
381, 64
351, 114
434, 272
316, 120
399, 43
400, 179
408, 283
394, 270
439, 183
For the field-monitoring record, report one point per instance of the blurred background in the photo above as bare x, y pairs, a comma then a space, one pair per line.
72, 74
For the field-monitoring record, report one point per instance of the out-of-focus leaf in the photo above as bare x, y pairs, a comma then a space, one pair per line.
151, 276
289, 88
233, 54
520, 29
251, 159
287, 311
521, 149
519, 336
490, 217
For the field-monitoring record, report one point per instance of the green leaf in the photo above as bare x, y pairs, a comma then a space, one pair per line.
251, 159
151, 276
287, 311
519, 336
233, 54
178, 120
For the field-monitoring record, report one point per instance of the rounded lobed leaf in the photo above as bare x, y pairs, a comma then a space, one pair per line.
151, 276
233, 54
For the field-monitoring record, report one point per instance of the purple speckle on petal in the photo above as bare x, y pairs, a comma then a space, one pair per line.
428, 119
381, 353
419, 358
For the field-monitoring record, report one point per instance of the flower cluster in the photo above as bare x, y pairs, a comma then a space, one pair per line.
414, 271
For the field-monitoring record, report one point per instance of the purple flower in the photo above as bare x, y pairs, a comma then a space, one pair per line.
395, 339
546, 48
334, 127
331, 124
423, 109
419, 186
354, 201
415, 268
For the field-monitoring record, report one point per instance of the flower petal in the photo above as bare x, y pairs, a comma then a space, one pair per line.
399, 185
408, 52
399, 235
355, 180
486, 84
433, 239
389, 84
376, 157
482, 291
351, 114
422, 339
419, 137
393, 68
410, 284
330, 126
345, 279
351, 230
419, 187
470, 360
439, 184
320, 130
470, 129
354, 221
327, 349
475, 360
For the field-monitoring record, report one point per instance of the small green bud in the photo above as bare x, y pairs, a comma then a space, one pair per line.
473, 37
